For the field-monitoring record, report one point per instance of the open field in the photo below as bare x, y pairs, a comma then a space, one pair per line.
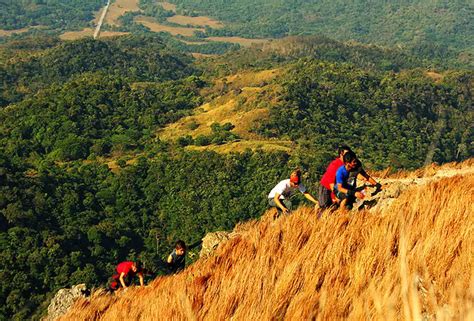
437, 77
153, 25
7, 33
195, 21
198, 55
88, 32
118, 9
245, 42
168, 6
242, 146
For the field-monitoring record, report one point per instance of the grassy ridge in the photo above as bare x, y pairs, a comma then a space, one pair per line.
412, 261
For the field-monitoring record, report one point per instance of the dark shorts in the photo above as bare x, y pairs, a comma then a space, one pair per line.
324, 197
350, 199
286, 203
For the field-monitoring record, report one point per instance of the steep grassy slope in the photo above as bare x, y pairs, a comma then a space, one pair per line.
412, 261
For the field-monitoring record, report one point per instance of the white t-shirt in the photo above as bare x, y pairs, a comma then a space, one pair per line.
285, 190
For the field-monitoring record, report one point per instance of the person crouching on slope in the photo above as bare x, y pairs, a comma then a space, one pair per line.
126, 271
345, 192
279, 196
326, 196
177, 259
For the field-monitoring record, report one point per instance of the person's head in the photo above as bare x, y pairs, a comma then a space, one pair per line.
295, 178
180, 247
137, 266
350, 160
343, 149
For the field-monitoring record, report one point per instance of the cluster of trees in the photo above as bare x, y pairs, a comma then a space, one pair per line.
137, 58
93, 115
392, 119
57, 14
153, 9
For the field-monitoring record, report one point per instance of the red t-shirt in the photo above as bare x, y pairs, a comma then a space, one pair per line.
125, 267
329, 176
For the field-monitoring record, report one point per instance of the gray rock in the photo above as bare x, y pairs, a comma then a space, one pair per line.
63, 300
211, 241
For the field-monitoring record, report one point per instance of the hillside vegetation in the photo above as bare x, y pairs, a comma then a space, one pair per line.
429, 27
114, 149
412, 261
58, 14
435, 29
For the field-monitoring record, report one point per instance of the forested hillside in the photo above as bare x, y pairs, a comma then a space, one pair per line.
393, 119
85, 182
62, 14
137, 58
430, 27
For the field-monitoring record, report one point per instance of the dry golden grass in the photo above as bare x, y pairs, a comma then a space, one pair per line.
245, 42
414, 261
240, 106
153, 25
6, 33
88, 32
241, 146
198, 55
118, 9
199, 21
435, 76
428, 171
168, 6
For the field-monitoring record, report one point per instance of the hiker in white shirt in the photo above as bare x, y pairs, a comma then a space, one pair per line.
279, 196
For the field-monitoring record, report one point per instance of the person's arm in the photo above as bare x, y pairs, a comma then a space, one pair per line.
349, 192
140, 277
367, 177
170, 259
277, 201
310, 197
331, 187
122, 281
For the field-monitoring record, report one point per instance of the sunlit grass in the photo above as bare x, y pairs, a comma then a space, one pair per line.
413, 261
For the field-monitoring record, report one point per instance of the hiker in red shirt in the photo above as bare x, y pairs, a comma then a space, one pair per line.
126, 271
326, 197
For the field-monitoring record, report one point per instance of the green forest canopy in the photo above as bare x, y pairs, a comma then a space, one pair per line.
414, 22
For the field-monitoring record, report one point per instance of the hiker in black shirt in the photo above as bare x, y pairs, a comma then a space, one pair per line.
176, 260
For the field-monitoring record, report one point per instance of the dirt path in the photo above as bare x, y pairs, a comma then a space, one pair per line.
101, 20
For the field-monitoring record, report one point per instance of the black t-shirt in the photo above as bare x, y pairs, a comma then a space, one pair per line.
178, 262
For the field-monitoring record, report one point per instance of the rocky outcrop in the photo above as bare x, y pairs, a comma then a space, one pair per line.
211, 241
64, 299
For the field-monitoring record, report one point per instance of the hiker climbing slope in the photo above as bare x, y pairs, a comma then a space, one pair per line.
177, 259
345, 192
279, 196
326, 195
126, 272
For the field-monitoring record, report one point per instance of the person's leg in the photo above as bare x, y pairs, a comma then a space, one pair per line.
324, 197
350, 202
285, 202
272, 203
115, 283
